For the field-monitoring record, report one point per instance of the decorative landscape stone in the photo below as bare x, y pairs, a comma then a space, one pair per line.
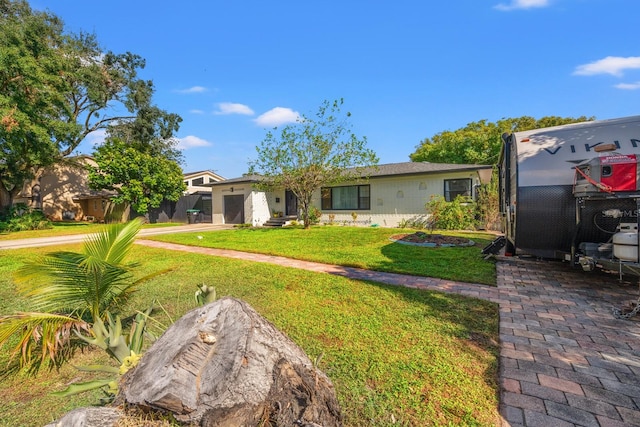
225, 365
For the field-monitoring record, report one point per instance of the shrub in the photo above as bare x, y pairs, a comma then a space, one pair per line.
20, 218
488, 204
417, 222
456, 215
314, 215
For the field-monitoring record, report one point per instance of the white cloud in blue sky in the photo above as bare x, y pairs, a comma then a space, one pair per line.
628, 86
193, 89
96, 137
522, 4
277, 116
233, 108
192, 142
613, 65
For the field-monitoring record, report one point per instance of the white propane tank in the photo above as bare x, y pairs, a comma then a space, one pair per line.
625, 246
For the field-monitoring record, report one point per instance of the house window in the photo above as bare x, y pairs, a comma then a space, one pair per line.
198, 181
353, 197
456, 187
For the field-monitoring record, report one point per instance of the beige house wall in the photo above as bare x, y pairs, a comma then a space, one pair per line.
394, 199
55, 191
207, 178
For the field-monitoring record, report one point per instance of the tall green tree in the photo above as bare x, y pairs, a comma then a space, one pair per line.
141, 178
30, 94
480, 142
56, 88
312, 153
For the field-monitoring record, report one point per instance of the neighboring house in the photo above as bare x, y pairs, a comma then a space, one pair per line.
196, 203
63, 193
393, 193
195, 181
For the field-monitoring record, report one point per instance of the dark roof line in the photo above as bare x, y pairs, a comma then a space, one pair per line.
389, 169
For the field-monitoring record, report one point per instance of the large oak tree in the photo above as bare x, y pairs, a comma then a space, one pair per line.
55, 89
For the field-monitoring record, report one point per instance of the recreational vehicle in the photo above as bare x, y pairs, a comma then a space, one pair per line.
572, 192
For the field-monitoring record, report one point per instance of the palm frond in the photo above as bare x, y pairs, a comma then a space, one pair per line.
60, 282
40, 336
93, 281
113, 243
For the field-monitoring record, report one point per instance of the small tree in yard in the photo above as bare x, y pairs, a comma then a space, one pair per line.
312, 153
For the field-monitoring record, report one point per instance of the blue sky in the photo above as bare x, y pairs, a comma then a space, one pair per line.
406, 69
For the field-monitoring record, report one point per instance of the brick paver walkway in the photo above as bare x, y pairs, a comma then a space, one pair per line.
565, 360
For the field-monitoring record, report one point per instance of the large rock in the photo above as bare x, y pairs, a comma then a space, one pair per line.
225, 365
89, 417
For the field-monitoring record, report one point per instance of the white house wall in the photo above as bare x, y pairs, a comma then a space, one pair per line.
217, 199
260, 212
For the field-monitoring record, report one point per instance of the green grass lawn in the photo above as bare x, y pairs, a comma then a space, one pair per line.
396, 356
69, 228
368, 248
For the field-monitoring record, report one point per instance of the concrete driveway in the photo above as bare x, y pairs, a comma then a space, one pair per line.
60, 240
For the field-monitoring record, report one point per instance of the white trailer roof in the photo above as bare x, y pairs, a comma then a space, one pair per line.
547, 156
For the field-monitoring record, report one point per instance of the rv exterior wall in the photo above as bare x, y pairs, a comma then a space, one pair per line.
538, 204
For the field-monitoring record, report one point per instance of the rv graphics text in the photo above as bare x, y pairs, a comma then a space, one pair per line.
635, 143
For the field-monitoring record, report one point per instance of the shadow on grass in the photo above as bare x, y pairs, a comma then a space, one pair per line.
476, 321
464, 264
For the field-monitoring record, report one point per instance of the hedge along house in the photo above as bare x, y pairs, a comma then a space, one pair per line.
393, 193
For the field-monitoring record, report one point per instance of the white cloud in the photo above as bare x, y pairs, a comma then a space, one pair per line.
613, 65
522, 4
96, 137
196, 111
277, 116
191, 142
193, 89
233, 108
628, 86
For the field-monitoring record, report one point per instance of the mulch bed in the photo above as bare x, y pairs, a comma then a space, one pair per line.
431, 240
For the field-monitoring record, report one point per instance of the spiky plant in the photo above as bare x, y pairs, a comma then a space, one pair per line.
70, 292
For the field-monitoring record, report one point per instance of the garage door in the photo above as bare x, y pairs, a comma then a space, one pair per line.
234, 209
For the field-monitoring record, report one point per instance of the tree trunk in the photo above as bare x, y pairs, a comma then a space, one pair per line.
225, 365
5, 198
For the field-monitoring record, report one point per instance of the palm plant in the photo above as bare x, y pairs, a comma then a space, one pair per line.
71, 293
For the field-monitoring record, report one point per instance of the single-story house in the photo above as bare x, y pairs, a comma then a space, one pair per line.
393, 192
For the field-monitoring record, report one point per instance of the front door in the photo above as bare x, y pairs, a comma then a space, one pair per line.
291, 203
234, 209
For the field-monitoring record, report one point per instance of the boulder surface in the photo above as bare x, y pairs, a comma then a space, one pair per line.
223, 364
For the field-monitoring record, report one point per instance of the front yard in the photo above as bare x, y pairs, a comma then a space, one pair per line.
368, 248
396, 356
